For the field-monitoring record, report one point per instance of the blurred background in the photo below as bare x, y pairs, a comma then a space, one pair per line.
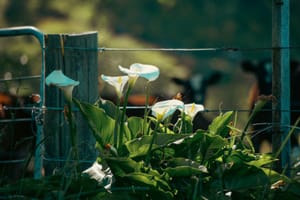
151, 24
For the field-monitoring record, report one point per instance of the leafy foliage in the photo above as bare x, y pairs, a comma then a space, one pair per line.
203, 164
215, 166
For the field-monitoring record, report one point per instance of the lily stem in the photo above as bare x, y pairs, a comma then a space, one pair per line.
123, 117
145, 128
117, 114
147, 161
73, 135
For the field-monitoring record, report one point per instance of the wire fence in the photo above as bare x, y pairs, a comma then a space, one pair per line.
141, 49
102, 50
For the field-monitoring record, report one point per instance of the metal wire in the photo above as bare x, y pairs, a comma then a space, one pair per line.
204, 49
65, 160
51, 108
21, 78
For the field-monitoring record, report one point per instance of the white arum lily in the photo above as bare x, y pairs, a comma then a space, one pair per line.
118, 82
103, 177
163, 109
149, 72
192, 109
58, 79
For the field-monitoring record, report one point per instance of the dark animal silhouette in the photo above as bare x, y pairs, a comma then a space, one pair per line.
262, 71
194, 91
17, 137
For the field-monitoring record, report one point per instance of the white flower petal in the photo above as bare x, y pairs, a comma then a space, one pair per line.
118, 82
163, 109
149, 72
103, 177
192, 109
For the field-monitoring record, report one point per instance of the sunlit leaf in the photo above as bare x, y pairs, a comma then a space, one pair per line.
185, 171
140, 146
219, 124
136, 126
201, 146
262, 160
100, 123
122, 165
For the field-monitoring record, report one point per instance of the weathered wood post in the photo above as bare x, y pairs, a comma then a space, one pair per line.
76, 55
281, 79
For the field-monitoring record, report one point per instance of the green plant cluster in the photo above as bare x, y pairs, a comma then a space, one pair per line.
158, 155
205, 164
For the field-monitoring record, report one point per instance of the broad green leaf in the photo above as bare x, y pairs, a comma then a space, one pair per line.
136, 126
139, 147
100, 123
158, 187
120, 166
181, 161
219, 124
108, 106
177, 167
211, 146
275, 176
201, 146
262, 160
240, 156
242, 176
185, 171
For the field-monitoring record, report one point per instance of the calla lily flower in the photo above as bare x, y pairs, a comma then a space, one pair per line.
103, 177
192, 109
163, 109
58, 79
118, 82
149, 72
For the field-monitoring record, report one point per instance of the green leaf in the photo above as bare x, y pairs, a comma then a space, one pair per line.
275, 176
185, 171
219, 124
240, 156
100, 123
121, 166
136, 126
108, 106
177, 167
262, 160
242, 177
201, 146
139, 147
158, 187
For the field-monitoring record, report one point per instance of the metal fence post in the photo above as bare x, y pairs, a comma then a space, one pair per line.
281, 79
29, 30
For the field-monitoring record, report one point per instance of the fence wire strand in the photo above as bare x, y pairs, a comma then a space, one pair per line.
204, 49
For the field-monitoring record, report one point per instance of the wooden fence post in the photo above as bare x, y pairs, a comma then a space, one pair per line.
281, 80
76, 55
